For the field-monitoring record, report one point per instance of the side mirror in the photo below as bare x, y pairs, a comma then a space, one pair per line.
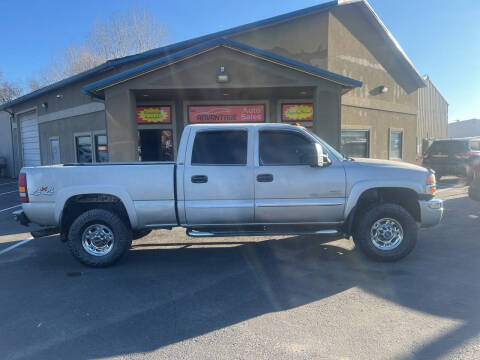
318, 158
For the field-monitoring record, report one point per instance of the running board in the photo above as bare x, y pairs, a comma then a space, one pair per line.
195, 233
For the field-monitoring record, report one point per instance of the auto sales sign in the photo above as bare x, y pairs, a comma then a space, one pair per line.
226, 113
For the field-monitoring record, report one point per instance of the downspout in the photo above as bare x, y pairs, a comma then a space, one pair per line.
13, 167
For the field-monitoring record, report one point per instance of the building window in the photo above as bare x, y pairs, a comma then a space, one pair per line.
396, 144
155, 145
355, 143
220, 148
91, 147
285, 148
54, 150
101, 149
83, 146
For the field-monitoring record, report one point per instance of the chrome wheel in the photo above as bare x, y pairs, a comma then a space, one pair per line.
97, 240
386, 234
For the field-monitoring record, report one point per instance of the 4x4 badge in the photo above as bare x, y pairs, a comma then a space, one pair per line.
44, 190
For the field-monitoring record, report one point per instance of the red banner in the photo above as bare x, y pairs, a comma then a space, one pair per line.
297, 112
153, 115
226, 113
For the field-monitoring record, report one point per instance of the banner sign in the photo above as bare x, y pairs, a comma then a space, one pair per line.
297, 112
153, 115
226, 113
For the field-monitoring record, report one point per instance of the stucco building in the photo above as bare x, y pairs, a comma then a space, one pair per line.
335, 68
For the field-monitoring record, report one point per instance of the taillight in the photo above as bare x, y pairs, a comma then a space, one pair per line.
431, 184
463, 155
22, 187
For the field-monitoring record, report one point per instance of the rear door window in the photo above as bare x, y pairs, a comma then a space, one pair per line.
285, 148
220, 148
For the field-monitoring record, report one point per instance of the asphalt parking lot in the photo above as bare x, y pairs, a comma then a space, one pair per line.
175, 297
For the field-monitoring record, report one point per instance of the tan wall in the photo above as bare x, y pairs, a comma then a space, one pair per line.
303, 39
358, 52
343, 41
379, 123
65, 129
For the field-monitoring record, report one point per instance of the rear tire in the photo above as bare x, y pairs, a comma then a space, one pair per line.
98, 238
386, 232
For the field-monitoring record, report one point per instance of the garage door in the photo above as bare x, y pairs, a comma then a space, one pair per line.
30, 140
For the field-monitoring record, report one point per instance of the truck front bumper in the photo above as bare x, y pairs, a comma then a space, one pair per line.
431, 212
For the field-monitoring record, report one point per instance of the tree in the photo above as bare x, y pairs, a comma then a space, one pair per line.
8, 90
122, 34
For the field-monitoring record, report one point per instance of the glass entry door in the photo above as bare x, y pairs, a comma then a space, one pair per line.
155, 145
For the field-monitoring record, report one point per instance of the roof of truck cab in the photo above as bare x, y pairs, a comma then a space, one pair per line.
272, 125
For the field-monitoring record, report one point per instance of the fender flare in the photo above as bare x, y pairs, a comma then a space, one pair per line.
68, 192
359, 188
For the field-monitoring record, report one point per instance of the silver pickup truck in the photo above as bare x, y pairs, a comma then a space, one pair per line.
233, 180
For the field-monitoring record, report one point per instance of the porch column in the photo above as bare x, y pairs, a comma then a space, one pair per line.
121, 125
327, 116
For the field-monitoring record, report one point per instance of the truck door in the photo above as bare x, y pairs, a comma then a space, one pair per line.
218, 178
288, 189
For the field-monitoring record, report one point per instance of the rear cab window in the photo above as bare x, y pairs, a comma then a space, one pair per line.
220, 147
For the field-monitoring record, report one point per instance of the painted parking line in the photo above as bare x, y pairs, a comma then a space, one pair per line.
8, 183
8, 192
16, 245
10, 208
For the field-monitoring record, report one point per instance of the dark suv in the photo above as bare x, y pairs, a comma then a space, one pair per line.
453, 157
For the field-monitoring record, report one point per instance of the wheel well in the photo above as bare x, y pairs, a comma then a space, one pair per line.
78, 204
406, 198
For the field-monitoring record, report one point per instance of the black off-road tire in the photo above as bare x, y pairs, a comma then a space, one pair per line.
365, 221
138, 234
121, 231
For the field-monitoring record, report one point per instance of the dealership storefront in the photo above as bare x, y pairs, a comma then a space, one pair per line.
221, 82
333, 68
156, 143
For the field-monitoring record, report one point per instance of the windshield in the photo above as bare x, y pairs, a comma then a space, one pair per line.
329, 148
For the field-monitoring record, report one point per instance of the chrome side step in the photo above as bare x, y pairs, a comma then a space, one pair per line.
196, 233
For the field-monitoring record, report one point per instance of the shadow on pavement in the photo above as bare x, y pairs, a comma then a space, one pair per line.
156, 297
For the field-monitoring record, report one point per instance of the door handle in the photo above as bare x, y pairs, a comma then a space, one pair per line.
264, 177
199, 179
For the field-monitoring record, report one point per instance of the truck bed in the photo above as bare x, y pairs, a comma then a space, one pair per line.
146, 189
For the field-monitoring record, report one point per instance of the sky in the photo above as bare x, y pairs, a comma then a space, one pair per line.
441, 37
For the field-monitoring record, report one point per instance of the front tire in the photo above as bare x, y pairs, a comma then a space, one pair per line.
98, 238
386, 232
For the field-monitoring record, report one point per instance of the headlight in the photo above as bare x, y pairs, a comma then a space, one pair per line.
431, 184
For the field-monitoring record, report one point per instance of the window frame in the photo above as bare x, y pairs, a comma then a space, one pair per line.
94, 140
391, 131
369, 138
92, 135
213, 129
160, 126
297, 133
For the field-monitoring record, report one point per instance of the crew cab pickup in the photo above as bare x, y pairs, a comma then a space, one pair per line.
233, 180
